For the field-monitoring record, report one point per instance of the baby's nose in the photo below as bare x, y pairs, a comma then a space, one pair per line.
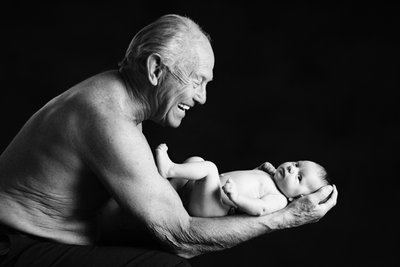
290, 169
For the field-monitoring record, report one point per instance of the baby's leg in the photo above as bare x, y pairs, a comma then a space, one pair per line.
206, 197
178, 183
193, 169
164, 163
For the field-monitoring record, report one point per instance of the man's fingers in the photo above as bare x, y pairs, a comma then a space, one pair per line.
331, 201
321, 195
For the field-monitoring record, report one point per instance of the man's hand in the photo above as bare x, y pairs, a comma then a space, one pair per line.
310, 208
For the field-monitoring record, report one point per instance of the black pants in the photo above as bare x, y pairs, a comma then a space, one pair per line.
22, 250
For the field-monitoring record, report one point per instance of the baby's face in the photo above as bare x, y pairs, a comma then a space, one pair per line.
298, 178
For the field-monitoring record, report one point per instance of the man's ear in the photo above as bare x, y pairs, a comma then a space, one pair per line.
154, 70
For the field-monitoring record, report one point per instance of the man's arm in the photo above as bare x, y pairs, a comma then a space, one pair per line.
116, 150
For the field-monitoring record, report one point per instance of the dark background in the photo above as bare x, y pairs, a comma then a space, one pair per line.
291, 81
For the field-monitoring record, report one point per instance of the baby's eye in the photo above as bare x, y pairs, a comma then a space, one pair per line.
299, 177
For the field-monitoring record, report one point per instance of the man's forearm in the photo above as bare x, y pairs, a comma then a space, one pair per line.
189, 236
193, 236
202, 235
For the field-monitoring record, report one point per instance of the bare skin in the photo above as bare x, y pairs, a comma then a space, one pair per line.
56, 194
86, 148
250, 191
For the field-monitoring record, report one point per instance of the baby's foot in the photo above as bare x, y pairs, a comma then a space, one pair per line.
230, 189
164, 163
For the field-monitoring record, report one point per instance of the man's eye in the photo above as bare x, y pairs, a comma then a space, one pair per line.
299, 177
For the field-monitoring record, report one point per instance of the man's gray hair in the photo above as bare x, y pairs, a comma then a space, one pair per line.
170, 37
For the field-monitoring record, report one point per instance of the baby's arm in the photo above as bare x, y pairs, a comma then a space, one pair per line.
254, 206
268, 168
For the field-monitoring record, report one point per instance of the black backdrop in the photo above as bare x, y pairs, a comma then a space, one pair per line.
290, 82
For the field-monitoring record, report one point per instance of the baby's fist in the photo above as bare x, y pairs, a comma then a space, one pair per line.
268, 168
230, 189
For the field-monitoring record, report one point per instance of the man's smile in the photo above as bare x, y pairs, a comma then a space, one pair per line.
184, 107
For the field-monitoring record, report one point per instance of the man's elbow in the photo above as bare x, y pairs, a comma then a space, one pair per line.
176, 241
187, 254
178, 246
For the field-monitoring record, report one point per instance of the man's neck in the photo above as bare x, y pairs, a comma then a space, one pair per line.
137, 94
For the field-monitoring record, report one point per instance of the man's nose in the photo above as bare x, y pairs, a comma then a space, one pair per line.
200, 95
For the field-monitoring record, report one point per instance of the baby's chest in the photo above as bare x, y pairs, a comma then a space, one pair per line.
252, 186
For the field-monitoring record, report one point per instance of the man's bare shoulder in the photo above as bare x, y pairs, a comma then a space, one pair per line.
100, 100
102, 92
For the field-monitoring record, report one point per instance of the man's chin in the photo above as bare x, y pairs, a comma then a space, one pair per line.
174, 124
170, 123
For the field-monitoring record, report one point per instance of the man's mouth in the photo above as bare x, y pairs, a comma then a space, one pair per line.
183, 107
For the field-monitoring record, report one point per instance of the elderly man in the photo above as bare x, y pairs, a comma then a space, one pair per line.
86, 148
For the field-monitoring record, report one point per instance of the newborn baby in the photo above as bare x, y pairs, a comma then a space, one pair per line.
256, 192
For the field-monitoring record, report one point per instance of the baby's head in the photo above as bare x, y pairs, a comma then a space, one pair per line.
300, 178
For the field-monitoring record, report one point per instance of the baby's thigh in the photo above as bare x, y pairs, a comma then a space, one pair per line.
205, 200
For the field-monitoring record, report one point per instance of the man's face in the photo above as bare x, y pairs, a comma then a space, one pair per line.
176, 98
298, 178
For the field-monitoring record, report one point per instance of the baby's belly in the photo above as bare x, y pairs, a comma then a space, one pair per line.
247, 182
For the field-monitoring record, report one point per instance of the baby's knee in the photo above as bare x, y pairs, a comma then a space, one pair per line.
210, 165
212, 169
194, 159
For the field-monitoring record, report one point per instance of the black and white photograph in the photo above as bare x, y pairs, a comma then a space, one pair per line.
199, 134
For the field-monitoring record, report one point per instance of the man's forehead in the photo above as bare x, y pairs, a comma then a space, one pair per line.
205, 57
204, 75
205, 68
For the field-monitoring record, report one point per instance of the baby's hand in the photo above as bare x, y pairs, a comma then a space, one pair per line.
230, 190
268, 168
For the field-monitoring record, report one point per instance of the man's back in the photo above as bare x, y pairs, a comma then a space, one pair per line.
46, 189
